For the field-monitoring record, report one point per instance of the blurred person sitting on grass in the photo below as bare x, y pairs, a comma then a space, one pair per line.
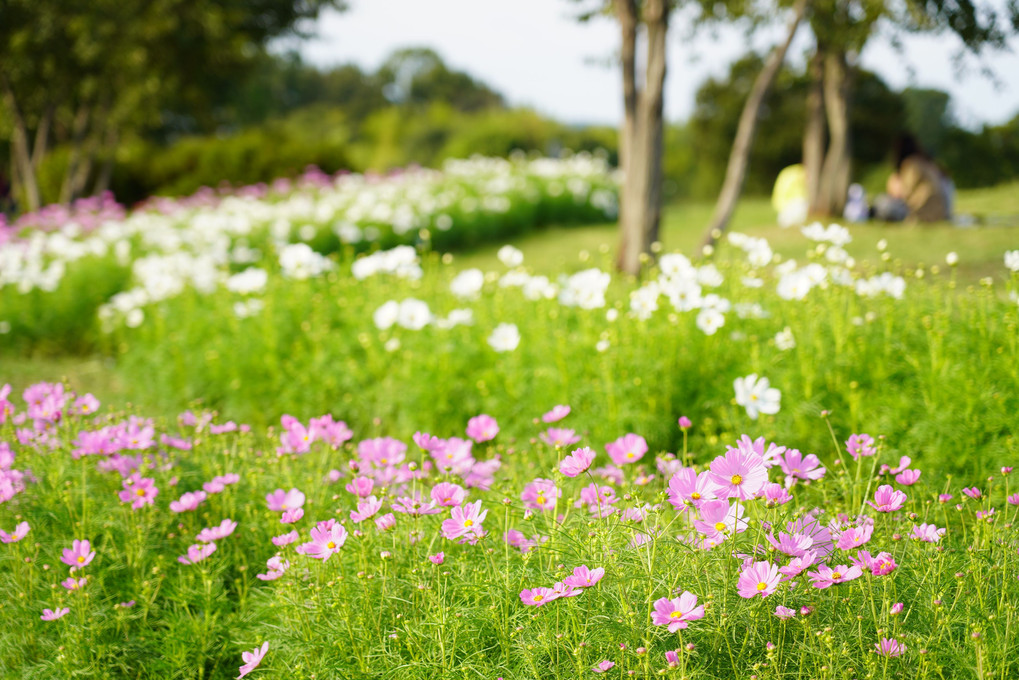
918, 191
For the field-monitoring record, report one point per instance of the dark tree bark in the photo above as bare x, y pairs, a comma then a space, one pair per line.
643, 132
814, 134
739, 157
837, 168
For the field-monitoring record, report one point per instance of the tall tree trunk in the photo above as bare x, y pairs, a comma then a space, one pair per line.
27, 182
105, 175
837, 168
640, 209
739, 157
814, 132
72, 173
626, 14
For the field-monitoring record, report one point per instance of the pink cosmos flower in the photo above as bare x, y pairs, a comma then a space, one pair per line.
797, 466
904, 462
603, 666
72, 583
927, 533
598, 499
578, 462
794, 545
826, 576
79, 555
216, 533
677, 612
366, 509
887, 499
85, 404
427, 442
291, 516
448, 494
563, 589
972, 492
138, 491
197, 553
541, 494
554, 436
285, 539
20, 531
854, 537
798, 564
361, 487
437, 558
382, 451
738, 474
276, 567
719, 517
252, 659
860, 445
1013, 499
672, 658
333, 432
896, 608
627, 449
465, 521
758, 578
784, 613
774, 494
684, 423
908, 477
890, 647
415, 505
879, 565
50, 615
188, 502
385, 522
583, 577
537, 597
557, 413
280, 500
327, 538
482, 428
218, 483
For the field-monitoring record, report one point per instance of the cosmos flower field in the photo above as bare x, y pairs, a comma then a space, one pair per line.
358, 459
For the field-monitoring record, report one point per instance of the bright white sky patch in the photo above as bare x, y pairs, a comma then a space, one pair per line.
535, 53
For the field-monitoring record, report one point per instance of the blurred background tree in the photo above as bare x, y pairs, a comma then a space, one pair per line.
83, 74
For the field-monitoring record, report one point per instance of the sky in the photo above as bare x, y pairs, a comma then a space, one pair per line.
538, 55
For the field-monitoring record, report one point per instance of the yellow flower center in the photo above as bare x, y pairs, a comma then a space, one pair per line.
81, 559
140, 492
538, 598
695, 496
719, 526
385, 461
675, 615
835, 576
541, 500
331, 545
762, 586
283, 507
736, 480
753, 397
629, 455
447, 500
468, 522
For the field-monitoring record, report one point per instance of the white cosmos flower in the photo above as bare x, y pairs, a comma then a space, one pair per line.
1012, 260
505, 337
510, 256
467, 284
756, 395
710, 320
784, 339
386, 315
414, 314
